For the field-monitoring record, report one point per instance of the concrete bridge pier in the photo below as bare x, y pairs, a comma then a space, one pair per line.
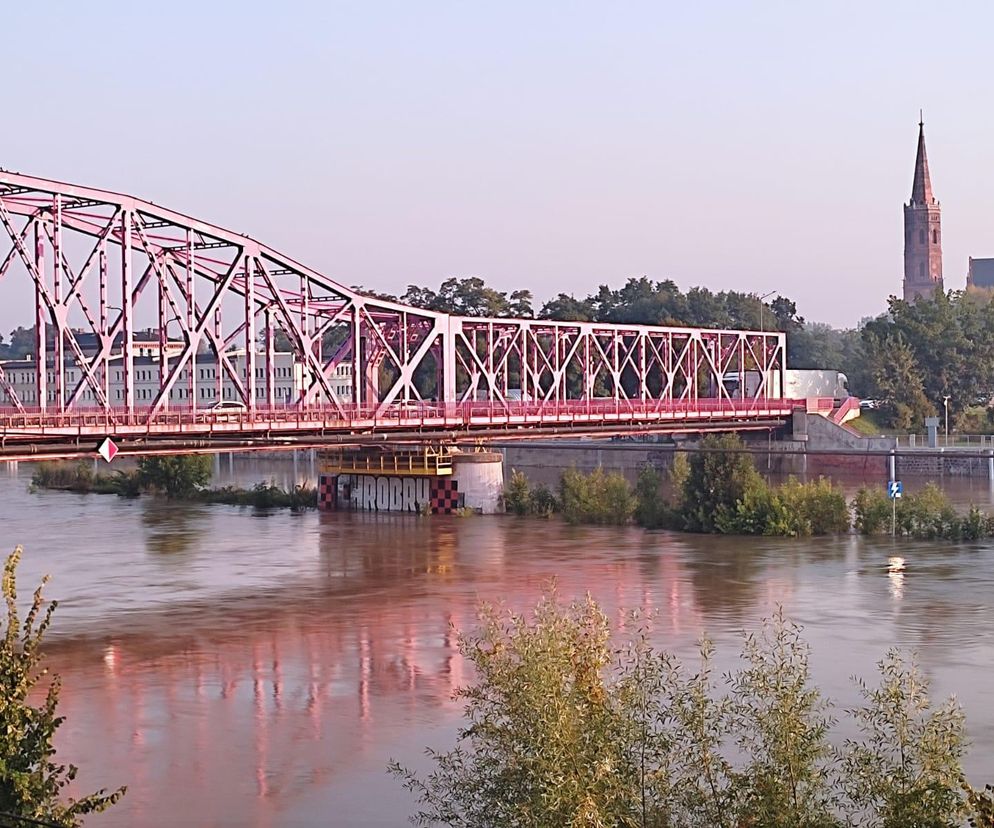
432, 480
480, 479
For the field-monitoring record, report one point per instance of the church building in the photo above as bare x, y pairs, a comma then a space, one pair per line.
922, 232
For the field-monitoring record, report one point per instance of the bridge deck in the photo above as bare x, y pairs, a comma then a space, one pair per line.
35, 426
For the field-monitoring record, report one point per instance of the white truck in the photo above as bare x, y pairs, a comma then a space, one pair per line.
800, 385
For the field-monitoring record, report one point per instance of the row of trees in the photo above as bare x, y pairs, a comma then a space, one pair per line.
564, 729
639, 301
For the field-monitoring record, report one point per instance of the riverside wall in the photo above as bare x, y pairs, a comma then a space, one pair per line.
813, 446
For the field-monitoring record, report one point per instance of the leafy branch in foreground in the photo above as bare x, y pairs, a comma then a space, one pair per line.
30, 780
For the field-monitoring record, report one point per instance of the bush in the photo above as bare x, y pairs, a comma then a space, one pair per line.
516, 494
873, 512
792, 510
541, 502
560, 730
906, 768
817, 506
263, 496
980, 804
718, 477
545, 742
177, 476
74, 477
651, 511
30, 781
598, 497
759, 511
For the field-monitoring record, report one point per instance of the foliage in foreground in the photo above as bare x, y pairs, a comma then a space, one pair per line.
31, 780
560, 729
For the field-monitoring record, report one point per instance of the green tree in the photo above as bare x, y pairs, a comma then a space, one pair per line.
175, 475
567, 309
719, 476
781, 724
31, 781
897, 379
516, 494
905, 770
545, 742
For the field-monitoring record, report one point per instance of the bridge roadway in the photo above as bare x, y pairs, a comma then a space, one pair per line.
36, 435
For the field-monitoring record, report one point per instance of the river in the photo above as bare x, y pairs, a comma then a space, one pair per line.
237, 669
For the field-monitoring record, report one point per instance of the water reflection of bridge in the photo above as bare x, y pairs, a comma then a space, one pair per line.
255, 705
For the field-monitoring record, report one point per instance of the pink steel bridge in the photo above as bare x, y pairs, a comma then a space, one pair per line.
104, 267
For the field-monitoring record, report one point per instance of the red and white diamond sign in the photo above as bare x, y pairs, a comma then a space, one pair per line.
107, 449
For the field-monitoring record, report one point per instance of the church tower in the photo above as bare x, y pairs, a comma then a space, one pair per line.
922, 232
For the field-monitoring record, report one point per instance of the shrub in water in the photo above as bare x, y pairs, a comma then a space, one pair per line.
516, 494
718, 477
872, 508
599, 497
817, 507
541, 501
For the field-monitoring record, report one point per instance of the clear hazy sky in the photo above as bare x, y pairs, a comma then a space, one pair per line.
552, 146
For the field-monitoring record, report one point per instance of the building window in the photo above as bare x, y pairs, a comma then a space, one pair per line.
935, 237
921, 237
921, 270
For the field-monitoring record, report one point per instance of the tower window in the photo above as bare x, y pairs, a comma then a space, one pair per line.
921, 270
935, 237
921, 237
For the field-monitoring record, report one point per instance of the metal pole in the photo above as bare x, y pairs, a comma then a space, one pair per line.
893, 517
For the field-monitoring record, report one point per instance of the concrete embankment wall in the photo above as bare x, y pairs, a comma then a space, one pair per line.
808, 449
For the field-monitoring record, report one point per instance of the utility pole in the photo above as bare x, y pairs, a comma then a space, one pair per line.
762, 307
945, 404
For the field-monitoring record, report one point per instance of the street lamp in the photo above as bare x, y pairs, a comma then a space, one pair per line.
762, 307
945, 404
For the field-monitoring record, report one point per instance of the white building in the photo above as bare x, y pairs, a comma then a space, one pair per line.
211, 384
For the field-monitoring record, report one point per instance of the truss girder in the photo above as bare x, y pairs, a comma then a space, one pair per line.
113, 270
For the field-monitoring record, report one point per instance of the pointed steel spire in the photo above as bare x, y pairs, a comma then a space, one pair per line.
921, 188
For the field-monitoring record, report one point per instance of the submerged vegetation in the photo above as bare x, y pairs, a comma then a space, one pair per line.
562, 728
718, 490
177, 477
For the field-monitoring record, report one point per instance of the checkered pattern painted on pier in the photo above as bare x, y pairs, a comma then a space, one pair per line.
444, 496
328, 492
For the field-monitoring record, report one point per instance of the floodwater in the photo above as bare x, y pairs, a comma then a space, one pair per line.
237, 669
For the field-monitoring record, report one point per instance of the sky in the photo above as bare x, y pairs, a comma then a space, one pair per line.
552, 146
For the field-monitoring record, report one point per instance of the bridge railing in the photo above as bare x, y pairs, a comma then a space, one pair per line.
15, 423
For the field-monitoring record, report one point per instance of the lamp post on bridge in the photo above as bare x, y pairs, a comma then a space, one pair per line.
762, 308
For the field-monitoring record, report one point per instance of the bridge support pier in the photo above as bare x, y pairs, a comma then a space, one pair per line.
427, 481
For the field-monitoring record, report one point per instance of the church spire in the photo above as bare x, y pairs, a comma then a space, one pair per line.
921, 188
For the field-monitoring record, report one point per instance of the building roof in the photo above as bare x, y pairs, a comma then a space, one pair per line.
981, 273
921, 187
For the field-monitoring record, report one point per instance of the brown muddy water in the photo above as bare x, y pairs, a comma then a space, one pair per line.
237, 669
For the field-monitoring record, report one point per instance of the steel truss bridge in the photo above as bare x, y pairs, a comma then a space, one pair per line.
103, 267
